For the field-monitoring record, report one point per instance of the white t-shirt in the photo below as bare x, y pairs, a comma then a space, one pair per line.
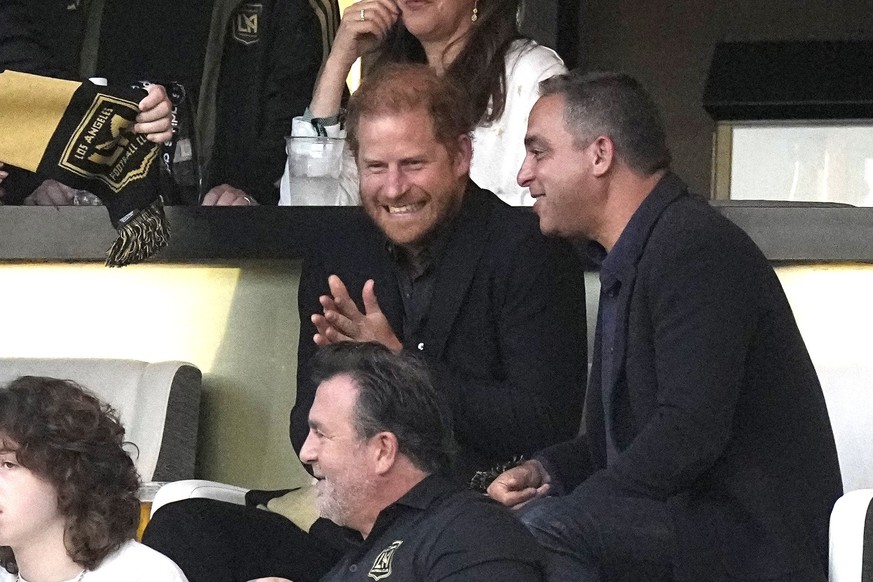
498, 148
133, 562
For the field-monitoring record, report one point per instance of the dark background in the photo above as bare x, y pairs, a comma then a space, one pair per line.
668, 45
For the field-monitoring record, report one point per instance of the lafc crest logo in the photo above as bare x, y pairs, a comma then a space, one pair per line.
105, 147
246, 23
382, 566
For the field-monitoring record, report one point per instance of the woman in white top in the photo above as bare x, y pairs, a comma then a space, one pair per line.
68, 505
474, 41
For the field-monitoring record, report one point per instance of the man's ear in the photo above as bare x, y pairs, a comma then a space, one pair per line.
463, 155
602, 155
384, 450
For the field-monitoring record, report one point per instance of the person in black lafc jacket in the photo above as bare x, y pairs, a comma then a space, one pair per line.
248, 67
258, 74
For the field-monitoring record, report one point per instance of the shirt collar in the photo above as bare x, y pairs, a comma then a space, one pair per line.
621, 256
433, 249
427, 491
632, 240
419, 498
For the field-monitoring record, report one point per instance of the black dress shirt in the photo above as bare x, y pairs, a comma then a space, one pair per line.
416, 276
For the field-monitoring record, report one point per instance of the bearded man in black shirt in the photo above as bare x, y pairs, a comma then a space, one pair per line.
380, 444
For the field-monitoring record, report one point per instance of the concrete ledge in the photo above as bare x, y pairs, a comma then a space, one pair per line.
792, 233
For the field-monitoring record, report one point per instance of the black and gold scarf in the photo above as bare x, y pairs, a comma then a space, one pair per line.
82, 135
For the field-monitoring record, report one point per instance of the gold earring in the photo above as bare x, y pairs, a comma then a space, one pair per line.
475, 16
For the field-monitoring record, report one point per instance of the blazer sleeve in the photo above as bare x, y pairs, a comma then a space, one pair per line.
568, 464
313, 284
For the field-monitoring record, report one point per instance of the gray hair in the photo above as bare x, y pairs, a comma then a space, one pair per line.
617, 106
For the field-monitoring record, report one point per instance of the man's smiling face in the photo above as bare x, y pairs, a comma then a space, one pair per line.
559, 173
411, 184
337, 453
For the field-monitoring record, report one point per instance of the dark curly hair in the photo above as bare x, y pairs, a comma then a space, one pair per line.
68, 437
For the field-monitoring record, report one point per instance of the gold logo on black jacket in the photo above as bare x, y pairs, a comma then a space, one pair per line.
104, 145
382, 565
246, 23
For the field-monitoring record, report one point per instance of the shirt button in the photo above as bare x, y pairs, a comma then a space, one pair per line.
353, 568
421, 347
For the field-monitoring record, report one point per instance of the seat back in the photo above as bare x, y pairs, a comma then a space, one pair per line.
158, 405
848, 391
851, 538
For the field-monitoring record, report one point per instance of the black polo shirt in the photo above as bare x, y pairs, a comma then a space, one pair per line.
443, 531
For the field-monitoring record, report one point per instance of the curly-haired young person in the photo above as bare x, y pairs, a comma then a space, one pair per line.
68, 505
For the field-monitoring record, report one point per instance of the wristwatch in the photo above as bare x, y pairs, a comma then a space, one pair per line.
322, 123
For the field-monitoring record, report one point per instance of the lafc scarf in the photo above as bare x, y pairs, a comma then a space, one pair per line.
82, 135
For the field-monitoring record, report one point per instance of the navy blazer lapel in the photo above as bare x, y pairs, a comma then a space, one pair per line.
457, 267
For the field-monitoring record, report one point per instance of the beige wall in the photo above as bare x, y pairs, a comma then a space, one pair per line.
238, 323
668, 45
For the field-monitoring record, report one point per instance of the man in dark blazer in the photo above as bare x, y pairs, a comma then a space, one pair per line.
708, 453
458, 277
